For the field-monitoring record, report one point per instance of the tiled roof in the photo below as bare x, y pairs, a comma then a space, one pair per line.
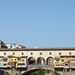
37, 49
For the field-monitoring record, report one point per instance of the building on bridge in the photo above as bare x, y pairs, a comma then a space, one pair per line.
39, 56
13, 61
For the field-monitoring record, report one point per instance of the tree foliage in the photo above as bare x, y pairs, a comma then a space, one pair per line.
42, 71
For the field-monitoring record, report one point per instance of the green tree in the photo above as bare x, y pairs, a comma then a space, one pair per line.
69, 63
42, 72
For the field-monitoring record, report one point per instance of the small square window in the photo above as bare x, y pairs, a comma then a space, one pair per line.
22, 59
40, 53
13, 53
73, 57
69, 53
57, 60
62, 60
22, 53
59, 53
31, 53
67, 57
5, 60
11, 59
50, 53
4, 53
4, 64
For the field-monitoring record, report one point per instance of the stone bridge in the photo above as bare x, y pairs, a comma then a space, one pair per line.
32, 68
29, 69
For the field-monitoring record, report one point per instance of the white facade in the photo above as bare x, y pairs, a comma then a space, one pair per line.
13, 46
36, 52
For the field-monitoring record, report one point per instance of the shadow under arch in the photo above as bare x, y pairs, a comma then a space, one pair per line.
49, 61
2, 72
40, 61
33, 70
29, 72
31, 61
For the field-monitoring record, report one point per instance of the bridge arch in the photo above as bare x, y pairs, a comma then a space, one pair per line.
2, 72
40, 61
31, 61
29, 72
49, 61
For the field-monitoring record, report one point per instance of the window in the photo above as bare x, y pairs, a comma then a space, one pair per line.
66, 64
23, 63
66, 60
22, 59
67, 57
62, 64
73, 57
5, 64
22, 53
57, 64
19, 64
5, 60
73, 64
40, 53
10, 46
15, 59
11, 59
0, 60
13, 53
73, 60
0, 64
59, 53
49, 53
62, 60
57, 60
69, 53
31, 53
4, 53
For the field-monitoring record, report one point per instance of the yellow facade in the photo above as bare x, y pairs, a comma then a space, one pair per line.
13, 61
59, 62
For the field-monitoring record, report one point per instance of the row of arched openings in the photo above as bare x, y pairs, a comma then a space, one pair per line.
40, 61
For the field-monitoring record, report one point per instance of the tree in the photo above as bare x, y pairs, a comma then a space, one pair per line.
42, 71
69, 63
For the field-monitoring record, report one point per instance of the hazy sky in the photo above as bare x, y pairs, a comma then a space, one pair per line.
38, 23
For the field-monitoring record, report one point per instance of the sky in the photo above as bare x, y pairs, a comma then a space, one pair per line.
38, 23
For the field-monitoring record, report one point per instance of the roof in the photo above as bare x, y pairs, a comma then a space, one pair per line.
10, 55
36, 49
67, 55
1, 56
23, 56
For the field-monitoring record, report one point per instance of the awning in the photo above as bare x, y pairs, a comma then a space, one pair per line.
4, 57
